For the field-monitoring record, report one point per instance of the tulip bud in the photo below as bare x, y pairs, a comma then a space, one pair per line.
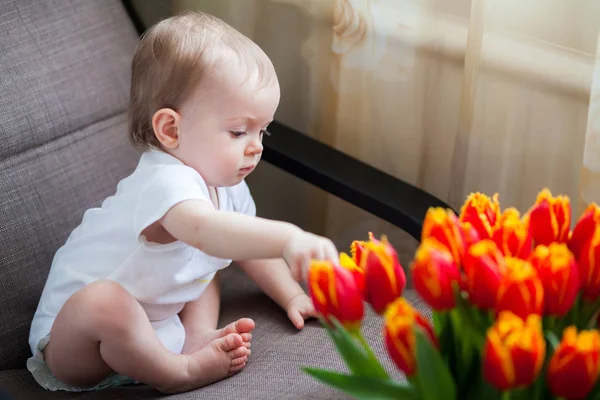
575, 364
549, 218
434, 273
482, 213
484, 268
399, 334
443, 225
589, 266
470, 234
584, 229
558, 271
512, 235
335, 294
514, 351
357, 272
384, 277
520, 290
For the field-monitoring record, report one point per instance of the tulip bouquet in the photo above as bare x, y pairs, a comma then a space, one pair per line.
514, 299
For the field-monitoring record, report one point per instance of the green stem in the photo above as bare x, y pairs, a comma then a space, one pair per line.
506, 395
366, 346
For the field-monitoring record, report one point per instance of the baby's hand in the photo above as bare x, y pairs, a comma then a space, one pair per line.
300, 308
303, 247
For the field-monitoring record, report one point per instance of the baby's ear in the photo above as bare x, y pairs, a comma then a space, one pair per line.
165, 123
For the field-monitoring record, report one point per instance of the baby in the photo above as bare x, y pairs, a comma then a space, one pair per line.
133, 294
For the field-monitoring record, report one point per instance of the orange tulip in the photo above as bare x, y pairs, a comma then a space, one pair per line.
559, 274
384, 277
549, 218
357, 272
484, 268
482, 212
512, 235
589, 266
399, 335
335, 294
575, 364
357, 249
520, 290
434, 272
584, 229
470, 234
514, 351
443, 225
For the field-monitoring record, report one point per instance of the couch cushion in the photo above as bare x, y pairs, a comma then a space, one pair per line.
63, 65
272, 372
64, 74
44, 193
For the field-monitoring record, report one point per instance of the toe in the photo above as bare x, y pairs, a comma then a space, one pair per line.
239, 361
244, 325
234, 369
246, 336
241, 326
239, 352
229, 342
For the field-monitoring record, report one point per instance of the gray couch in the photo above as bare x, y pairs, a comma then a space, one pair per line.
64, 77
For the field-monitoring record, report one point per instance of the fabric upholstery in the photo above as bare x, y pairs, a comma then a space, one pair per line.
63, 65
64, 73
44, 193
273, 370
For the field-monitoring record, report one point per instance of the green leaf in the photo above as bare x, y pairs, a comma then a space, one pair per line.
435, 380
552, 340
363, 387
358, 362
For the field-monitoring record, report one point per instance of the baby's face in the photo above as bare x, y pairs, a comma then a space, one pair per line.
222, 127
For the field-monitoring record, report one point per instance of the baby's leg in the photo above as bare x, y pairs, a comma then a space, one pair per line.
103, 328
200, 318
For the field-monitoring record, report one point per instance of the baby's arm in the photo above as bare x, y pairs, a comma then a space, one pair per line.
241, 237
274, 278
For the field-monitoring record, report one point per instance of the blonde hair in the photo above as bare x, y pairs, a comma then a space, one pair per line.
173, 58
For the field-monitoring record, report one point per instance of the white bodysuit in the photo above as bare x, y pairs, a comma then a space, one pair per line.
108, 244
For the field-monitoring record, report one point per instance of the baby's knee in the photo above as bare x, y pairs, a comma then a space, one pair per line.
103, 298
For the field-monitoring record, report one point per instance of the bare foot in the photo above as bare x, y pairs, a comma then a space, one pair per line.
197, 341
218, 360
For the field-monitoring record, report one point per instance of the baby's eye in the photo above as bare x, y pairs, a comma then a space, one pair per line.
237, 134
264, 132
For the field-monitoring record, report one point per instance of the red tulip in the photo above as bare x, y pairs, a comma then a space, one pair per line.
443, 225
559, 274
482, 212
514, 351
484, 268
584, 230
434, 272
575, 364
520, 290
589, 266
335, 294
470, 234
512, 235
550, 218
384, 276
357, 272
399, 334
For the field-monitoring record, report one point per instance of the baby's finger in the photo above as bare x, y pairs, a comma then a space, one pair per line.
332, 254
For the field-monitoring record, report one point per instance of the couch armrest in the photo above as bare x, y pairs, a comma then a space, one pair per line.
389, 198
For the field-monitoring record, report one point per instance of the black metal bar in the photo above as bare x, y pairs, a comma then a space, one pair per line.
381, 194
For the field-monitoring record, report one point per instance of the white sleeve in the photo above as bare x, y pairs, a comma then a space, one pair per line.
167, 187
242, 199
